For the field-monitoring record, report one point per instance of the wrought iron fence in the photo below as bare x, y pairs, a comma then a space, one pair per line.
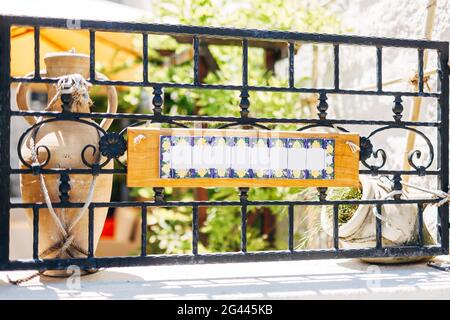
112, 145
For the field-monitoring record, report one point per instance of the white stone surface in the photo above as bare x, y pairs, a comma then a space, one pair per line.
321, 279
397, 19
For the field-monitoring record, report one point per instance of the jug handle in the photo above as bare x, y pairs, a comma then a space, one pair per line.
22, 104
112, 101
21, 97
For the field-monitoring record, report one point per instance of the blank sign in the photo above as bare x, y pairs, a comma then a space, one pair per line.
244, 157
175, 157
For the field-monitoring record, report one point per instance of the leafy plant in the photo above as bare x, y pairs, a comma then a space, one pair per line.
345, 211
170, 229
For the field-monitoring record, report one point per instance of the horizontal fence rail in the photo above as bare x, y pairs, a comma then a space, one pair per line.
372, 160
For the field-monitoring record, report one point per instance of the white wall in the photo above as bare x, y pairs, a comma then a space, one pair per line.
387, 18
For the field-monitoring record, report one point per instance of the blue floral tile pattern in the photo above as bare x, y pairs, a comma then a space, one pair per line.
184, 157
165, 157
181, 158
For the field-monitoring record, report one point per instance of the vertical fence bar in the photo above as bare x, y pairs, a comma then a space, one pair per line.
291, 228
379, 243
420, 68
195, 229
291, 64
443, 141
420, 223
245, 63
243, 196
336, 67
91, 232
143, 231
145, 58
92, 55
379, 69
5, 116
196, 61
244, 228
35, 233
37, 52
336, 226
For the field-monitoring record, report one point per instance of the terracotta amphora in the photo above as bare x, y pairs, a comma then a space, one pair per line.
65, 141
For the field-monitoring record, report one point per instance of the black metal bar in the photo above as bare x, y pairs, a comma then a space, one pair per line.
145, 58
243, 197
250, 34
195, 230
402, 172
420, 68
64, 187
244, 63
143, 230
70, 171
124, 171
91, 231
158, 259
239, 87
92, 56
336, 67
196, 61
379, 239
5, 111
37, 51
125, 204
35, 233
443, 141
420, 224
291, 227
397, 185
336, 226
189, 118
291, 65
244, 228
379, 69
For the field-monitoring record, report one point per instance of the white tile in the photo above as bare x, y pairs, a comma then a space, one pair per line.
315, 159
240, 156
297, 158
181, 156
197, 157
259, 157
221, 156
278, 158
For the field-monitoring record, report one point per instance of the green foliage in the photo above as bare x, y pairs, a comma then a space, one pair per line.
346, 211
170, 229
294, 15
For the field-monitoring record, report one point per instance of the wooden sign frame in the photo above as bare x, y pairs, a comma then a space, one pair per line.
144, 159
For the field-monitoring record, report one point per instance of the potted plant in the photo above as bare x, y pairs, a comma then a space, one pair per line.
357, 223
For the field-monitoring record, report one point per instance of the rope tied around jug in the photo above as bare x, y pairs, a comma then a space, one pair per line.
78, 87
443, 196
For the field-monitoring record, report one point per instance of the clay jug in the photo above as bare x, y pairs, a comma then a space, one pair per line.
400, 227
65, 140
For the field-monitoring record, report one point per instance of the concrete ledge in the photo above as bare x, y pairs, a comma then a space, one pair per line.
320, 279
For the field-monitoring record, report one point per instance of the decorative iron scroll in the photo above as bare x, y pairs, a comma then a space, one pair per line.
217, 157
